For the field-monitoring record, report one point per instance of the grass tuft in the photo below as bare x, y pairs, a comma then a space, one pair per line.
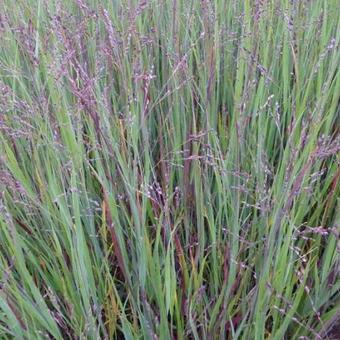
169, 169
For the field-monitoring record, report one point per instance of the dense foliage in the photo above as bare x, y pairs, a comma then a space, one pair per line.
169, 169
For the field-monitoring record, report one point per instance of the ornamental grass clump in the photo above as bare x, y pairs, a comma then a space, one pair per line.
169, 169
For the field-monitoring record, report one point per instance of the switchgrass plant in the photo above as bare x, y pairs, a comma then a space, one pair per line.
169, 169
